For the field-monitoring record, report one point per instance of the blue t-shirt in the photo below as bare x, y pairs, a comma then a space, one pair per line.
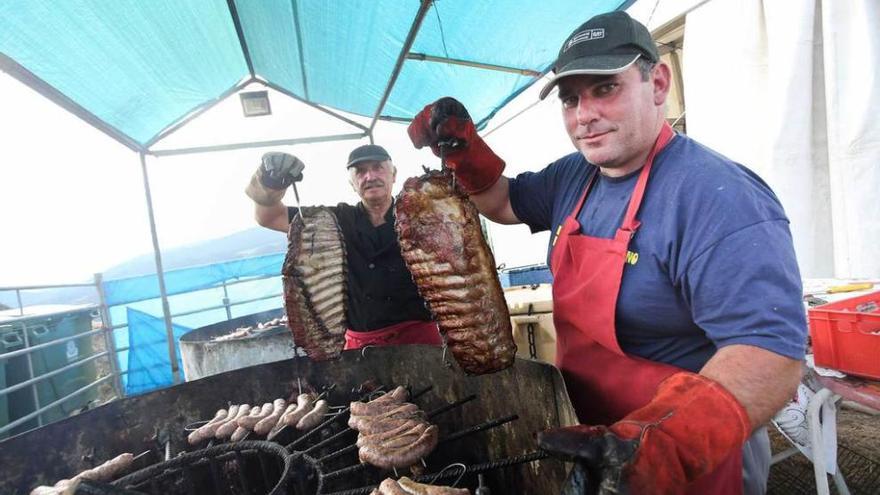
711, 265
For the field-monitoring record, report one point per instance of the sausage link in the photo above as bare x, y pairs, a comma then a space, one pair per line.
239, 434
226, 429
265, 425
314, 417
201, 432
250, 421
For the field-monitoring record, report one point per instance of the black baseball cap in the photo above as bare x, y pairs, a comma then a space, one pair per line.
606, 44
367, 153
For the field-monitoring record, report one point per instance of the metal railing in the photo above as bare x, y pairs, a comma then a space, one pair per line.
111, 352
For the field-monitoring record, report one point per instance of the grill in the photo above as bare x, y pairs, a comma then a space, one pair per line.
487, 426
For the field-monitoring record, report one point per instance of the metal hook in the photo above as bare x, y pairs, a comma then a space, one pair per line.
457, 480
364, 350
447, 363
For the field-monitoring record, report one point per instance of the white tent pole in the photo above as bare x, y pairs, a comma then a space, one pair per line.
160, 274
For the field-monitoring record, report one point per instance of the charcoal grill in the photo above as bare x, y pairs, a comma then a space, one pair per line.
487, 426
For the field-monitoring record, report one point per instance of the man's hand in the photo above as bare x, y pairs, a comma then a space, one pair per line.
276, 173
446, 127
688, 429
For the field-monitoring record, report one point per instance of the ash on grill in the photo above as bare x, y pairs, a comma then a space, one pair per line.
320, 461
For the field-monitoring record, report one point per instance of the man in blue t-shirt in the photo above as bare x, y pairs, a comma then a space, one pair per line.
677, 296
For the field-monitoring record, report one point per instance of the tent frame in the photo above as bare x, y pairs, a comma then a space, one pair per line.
31, 80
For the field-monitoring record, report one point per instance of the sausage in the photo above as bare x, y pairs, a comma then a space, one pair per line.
390, 487
373, 409
403, 439
314, 417
108, 470
363, 423
304, 404
201, 432
385, 424
442, 244
239, 434
265, 425
251, 421
403, 456
315, 283
379, 437
228, 428
210, 430
413, 488
399, 394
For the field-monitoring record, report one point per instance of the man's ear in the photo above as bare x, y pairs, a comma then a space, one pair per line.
661, 79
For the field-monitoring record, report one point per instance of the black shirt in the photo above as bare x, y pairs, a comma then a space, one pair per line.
381, 291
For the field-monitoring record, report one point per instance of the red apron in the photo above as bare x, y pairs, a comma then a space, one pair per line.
604, 383
405, 332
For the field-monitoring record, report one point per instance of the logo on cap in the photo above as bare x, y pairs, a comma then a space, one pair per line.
588, 35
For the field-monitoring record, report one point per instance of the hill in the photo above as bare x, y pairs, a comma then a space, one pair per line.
243, 244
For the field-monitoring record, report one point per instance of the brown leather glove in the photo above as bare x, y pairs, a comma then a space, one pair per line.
689, 428
446, 123
277, 171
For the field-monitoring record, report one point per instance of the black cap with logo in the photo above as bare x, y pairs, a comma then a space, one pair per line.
606, 44
367, 153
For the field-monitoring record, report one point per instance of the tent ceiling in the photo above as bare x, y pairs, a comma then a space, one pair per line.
138, 69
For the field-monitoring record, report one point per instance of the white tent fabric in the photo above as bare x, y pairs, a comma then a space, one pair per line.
791, 90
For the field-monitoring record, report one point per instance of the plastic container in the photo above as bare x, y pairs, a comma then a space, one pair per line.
531, 316
846, 335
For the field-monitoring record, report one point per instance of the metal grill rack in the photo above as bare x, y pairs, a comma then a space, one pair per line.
322, 461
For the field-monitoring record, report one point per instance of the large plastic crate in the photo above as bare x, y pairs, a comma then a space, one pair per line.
846, 335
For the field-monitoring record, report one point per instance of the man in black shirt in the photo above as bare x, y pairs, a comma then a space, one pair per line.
384, 306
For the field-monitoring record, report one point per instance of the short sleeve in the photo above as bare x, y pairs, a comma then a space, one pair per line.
530, 200
746, 289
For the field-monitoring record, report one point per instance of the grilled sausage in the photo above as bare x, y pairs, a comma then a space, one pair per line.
363, 423
239, 434
210, 430
265, 425
202, 433
228, 428
304, 404
399, 394
442, 243
402, 456
315, 283
410, 487
251, 421
403, 439
314, 417
377, 438
390, 487
108, 470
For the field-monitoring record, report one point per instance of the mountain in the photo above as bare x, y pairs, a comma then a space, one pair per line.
243, 244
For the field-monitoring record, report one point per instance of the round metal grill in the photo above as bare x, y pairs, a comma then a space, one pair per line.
251, 467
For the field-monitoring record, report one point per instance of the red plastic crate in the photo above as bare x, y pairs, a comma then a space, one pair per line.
846, 335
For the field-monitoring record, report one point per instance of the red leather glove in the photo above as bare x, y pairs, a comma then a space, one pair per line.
690, 427
446, 123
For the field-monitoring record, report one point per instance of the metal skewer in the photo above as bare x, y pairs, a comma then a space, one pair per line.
299, 209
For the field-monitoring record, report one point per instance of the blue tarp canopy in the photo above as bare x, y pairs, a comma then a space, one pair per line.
139, 69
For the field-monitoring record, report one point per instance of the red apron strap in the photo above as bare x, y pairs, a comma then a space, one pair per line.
630, 224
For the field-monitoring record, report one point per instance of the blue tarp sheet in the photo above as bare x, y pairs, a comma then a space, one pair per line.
142, 66
135, 302
149, 367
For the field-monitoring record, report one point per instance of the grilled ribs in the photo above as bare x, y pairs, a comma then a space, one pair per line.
443, 246
315, 283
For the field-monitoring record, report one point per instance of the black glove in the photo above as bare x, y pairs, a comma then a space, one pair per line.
280, 170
